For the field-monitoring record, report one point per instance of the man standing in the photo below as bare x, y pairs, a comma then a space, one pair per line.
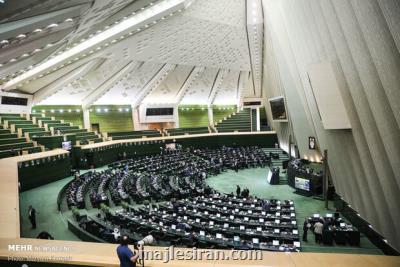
238, 190
318, 227
306, 226
127, 258
32, 216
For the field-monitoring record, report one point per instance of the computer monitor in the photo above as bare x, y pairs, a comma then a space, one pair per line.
213, 206
278, 207
184, 208
230, 202
218, 215
291, 208
249, 211
277, 214
295, 232
278, 202
202, 233
296, 244
241, 227
174, 214
329, 215
224, 208
252, 205
164, 212
292, 214
256, 241
277, 231
259, 229
263, 213
185, 218
203, 204
275, 242
155, 209
231, 217
226, 225
194, 210
244, 199
218, 235
261, 220
342, 225
316, 215
236, 210
236, 238
206, 212
246, 219
173, 226
277, 221
294, 222
161, 223
211, 223
197, 220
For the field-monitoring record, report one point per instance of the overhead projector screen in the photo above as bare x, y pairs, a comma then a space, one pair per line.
327, 96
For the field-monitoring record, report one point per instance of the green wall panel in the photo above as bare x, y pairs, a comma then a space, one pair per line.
222, 111
116, 119
68, 114
193, 116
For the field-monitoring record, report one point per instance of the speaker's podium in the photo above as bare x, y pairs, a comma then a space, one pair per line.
273, 176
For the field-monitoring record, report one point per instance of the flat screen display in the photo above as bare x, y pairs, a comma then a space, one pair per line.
301, 183
16, 101
159, 111
66, 145
278, 108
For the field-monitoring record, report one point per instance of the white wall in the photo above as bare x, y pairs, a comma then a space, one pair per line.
14, 108
361, 41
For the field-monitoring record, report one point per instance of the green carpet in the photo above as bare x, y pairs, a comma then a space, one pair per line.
44, 200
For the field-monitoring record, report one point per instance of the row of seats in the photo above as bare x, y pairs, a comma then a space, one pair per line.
133, 134
12, 140
183, 131
210, 221
240, 121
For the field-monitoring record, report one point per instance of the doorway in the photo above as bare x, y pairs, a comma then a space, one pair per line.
95, 127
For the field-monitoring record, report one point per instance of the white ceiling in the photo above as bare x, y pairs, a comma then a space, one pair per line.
187, 51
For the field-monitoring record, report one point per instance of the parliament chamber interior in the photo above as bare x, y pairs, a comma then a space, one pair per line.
199, 133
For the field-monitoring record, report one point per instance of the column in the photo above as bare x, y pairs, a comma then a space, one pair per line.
210, 115
258, 118
86, 119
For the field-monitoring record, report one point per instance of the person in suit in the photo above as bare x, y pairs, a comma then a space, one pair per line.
237, 190
306, 226
32, 216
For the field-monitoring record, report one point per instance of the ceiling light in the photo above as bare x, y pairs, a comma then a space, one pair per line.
61, 111
4, 42
120, 109
69, 20
52, 111
98, 110
21, 36
127, 109
13, 60
78, 110
37, 30
69, 110
52, 25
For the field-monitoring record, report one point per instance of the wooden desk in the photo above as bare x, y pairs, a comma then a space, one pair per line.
175, 137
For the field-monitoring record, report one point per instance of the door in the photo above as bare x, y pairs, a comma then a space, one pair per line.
95, 127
